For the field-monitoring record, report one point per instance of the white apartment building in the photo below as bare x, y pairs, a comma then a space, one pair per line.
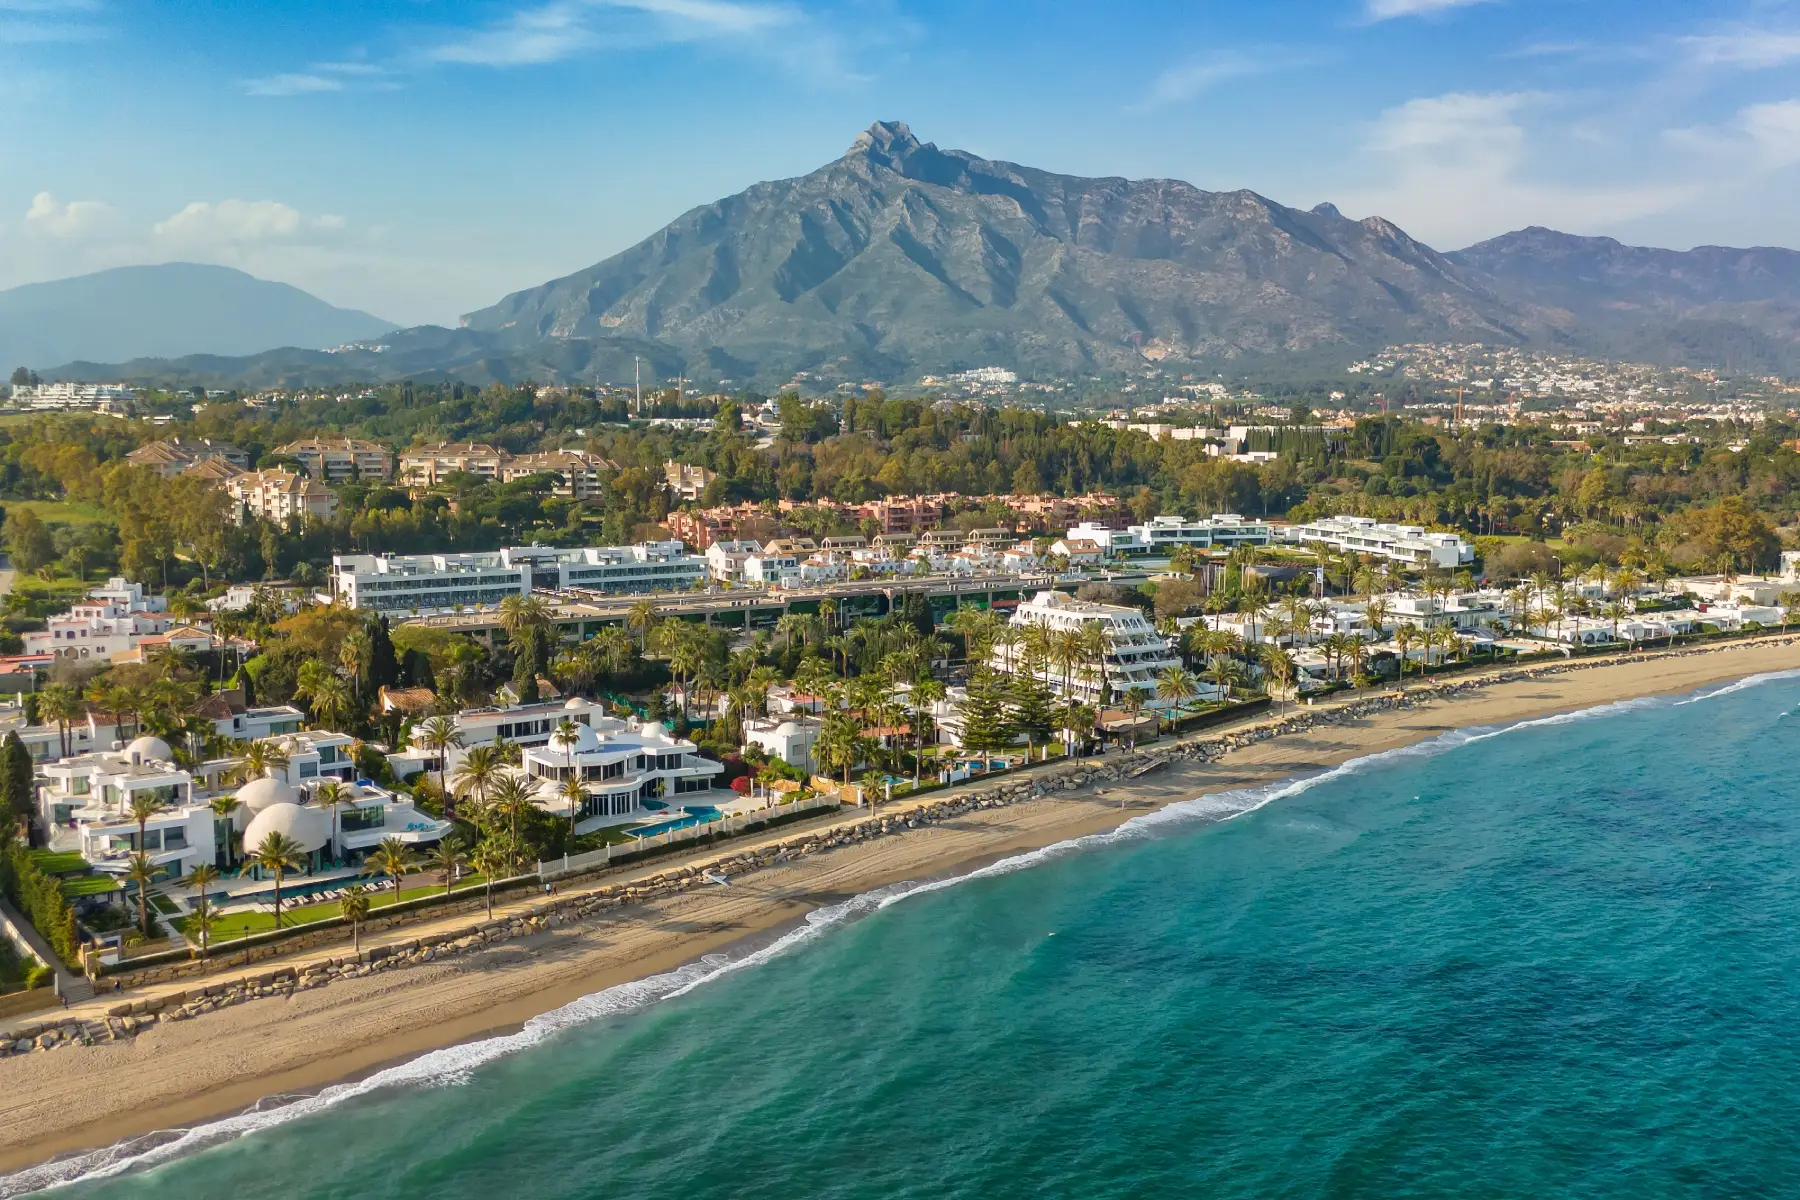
340, 460
423, 582
1135, 651
73, 395
1165, 534
646, 567
629, 770
280, 497
1409, 544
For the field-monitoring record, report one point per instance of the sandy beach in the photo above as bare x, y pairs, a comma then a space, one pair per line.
182, 1073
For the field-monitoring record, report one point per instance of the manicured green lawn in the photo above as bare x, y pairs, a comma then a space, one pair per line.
237, 924
63, 512
89, 885
58, 862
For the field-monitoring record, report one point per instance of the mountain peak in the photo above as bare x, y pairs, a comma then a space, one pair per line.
889, 139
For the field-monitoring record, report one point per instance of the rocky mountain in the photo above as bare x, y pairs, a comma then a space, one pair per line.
171, 309
1709, 305
900, 257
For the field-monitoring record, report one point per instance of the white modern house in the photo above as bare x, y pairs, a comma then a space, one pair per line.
1409, 544
789, 738
523, 725
1135, 650
87, 808
629, 770
725, 559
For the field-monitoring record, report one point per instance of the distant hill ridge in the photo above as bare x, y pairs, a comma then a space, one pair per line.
167, 310
900, 258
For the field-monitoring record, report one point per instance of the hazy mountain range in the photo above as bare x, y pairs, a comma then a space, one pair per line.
168, 310
899, 259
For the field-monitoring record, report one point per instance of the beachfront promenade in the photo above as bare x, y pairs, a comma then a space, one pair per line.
626, 886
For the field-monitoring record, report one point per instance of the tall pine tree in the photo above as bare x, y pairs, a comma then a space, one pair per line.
384, 664
1032, 707
987, 723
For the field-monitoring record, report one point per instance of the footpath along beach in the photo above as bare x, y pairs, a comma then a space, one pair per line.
333, 1019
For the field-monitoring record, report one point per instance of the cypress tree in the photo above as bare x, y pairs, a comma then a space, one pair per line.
384, 664
18, 792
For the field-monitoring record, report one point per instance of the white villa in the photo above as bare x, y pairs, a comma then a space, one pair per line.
1136, 651
524, 725
629, 770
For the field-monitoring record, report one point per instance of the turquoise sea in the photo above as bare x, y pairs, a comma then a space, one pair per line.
1561, 959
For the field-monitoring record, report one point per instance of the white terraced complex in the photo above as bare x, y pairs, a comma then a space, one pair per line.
1136, 652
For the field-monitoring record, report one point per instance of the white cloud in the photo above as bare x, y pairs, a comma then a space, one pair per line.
77, 218
296, 84
1201, 74
1464, 166
1752, 49
560, 30
1758, 138
232, 223
1387, 10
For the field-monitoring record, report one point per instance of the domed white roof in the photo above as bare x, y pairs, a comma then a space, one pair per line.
259, 794
308, 826
654, 729
585, 739
575, 702
145, 748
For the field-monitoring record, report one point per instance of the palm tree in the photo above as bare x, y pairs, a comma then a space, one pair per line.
223, 807
280, 854
447, 859
324, 691
439, 735
572, 791
1405, 637
511, 797
1279, 664
1175, 686
203, 876
1222, 671
263, 759
61, 704
1065, 655
391, 859
926, 692
840, 744
331, 796
476, 775
144, 805
1378, 611
490, 858
354, 905
641, 618
142, 872
1135, 699
1096, 643
201, 921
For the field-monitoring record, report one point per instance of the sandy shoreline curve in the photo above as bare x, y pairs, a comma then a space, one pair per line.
180, 1074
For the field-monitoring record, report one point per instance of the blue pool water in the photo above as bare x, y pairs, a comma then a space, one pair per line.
1559, 960
697, 814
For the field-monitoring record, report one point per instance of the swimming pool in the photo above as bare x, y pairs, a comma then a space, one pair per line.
697, 814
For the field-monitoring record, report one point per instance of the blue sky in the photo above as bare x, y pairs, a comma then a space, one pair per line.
420, 159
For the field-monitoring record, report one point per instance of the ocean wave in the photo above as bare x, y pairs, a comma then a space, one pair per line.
453, 1065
